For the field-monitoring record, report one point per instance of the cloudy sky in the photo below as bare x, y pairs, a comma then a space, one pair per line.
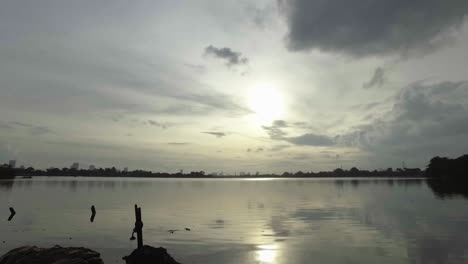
233, 85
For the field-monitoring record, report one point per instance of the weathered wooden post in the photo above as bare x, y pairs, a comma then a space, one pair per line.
12, 213
138, 226
93, 213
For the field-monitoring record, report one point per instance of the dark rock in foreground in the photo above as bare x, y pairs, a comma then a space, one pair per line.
149, 255
54, 255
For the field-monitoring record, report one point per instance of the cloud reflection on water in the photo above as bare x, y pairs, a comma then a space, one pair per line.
275, 221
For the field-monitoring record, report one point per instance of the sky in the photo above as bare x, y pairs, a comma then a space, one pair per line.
234, 85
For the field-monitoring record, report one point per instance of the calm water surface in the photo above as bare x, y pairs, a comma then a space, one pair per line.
241, 221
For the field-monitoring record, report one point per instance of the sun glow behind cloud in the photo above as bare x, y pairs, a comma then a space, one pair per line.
267, 103
153, 69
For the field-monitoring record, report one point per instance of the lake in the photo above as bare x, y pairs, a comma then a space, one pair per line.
241, 220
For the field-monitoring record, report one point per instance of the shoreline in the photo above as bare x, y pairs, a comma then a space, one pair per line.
21, 177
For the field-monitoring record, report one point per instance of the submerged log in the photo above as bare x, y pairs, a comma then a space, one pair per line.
54, 255
149, 255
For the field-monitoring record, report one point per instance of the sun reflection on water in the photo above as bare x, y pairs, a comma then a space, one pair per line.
266, 254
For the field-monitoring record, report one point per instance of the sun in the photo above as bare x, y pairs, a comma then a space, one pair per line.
267, 103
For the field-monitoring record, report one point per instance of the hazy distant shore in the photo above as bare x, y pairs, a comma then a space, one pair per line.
113, 172
226, 177
442, 168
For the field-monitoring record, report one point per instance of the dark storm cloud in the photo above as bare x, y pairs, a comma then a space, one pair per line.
216, 134
369, 27
231, 57
377, 80
426, 120
310, 139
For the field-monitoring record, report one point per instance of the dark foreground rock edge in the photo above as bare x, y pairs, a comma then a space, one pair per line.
53, 255
149, 255
80, 255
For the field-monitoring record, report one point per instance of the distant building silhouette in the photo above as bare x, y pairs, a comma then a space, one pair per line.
92, 167
125, 169
12, 164
75, 166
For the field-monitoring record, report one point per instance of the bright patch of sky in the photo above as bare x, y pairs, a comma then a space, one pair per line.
232, 85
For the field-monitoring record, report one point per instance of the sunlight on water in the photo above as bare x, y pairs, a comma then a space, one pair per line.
266, 254
269, 221
260, 179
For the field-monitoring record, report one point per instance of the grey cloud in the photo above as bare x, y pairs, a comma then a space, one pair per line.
280, 123
178, 143
256, 150
232, 57
33, 130
426, 120
74, 79
301, 124
311, 140
263, 16
216, 134
377, 80
5, 126
278, 148
44, 71
365, 106
361, 28
163, 125
276, 132
301, 157
217, 101
196, 67
36, 131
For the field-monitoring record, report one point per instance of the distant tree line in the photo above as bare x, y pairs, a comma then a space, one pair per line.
113, 172
98, 172
438, 168
445, 168
355, 172
448, 177
6, 172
